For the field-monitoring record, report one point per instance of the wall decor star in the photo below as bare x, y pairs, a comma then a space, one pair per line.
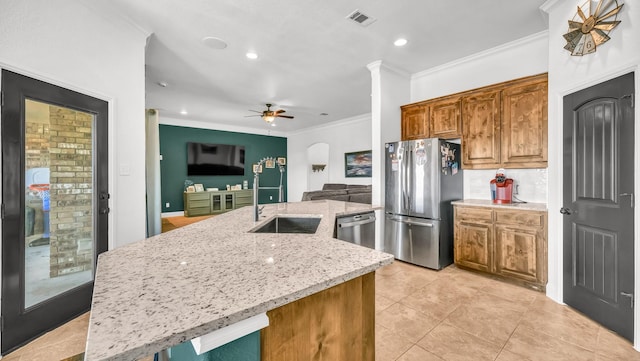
584, 36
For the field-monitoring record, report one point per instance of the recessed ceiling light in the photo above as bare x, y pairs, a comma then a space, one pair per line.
214, 43
183, 112
252, 56
400, 42
273, 124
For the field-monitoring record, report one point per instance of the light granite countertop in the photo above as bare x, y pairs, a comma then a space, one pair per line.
542, 207
176, 286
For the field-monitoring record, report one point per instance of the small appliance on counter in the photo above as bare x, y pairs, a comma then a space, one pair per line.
501, 188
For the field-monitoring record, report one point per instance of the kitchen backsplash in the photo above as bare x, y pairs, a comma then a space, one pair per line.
531, 183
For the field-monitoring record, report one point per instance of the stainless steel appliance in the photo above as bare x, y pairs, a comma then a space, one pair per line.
359, 229
422, 177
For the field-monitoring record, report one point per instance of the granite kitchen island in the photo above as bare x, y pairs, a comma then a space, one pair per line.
177, 286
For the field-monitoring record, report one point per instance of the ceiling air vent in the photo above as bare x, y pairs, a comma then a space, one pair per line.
360, 18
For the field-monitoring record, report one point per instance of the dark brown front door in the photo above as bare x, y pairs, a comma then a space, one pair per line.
54, 204
598, 203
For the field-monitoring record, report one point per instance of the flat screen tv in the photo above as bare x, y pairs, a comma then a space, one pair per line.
215, 159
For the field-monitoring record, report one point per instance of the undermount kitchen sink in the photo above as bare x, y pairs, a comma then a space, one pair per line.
306, 225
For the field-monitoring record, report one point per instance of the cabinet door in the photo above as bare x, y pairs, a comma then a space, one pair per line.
524, 124
474, 245
481, 130
444, 118
229, 201
414, 122
518, 253
217, 202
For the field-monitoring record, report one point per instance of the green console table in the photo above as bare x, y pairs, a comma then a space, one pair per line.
213, 202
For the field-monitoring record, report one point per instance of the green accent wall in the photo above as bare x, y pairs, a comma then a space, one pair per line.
173, 166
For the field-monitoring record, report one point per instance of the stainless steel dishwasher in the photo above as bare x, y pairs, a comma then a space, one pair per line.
359, 229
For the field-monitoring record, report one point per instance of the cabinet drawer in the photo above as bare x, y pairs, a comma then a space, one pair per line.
243, 201
199, 204
520, 218
474, 213
198, 196
198, 211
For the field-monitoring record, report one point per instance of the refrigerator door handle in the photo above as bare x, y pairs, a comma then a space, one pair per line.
410, 185
411, 222
429, 225
405, 181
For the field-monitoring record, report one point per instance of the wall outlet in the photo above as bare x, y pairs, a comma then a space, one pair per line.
167, 205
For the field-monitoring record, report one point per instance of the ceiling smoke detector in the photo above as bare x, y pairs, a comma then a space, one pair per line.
360, 18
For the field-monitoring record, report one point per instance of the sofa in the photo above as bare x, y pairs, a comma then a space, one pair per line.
358, 193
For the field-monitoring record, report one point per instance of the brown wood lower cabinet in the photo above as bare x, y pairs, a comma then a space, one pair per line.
335, 324
474, 238
508, 243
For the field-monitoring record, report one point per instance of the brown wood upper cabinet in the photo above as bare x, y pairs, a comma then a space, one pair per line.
438, 118
481, 129
501, 126
414, 122
505, 125
445, 118
524, 124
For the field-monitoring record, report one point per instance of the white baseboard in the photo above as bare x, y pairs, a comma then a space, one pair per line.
172, 214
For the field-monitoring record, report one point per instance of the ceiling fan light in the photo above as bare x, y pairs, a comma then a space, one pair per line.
268, 118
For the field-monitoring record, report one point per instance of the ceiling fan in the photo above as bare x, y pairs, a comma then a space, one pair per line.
270, 115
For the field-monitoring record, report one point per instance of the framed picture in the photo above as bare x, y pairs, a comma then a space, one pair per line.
257, 168
270, 163
191, 189
199, 187
357, 164
282, 160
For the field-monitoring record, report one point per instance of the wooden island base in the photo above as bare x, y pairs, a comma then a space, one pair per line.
335, 324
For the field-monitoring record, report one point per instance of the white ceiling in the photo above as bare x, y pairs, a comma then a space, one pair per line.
312, 59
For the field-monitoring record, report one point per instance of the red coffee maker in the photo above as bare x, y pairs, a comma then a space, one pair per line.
501, 188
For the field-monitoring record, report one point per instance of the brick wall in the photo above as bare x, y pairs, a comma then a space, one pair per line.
65, 146
70, 152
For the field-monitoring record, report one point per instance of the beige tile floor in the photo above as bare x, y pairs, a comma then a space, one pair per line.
423, 315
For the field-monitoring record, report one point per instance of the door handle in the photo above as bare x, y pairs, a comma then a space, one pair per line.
357, 223
630, 295
630, 195
567, 211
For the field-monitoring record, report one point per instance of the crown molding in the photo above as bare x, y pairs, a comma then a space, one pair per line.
216, 126
115, 17
379, 64
336, 123
495, 50
548, 5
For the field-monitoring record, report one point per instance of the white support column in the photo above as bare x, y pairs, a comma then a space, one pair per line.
390, 88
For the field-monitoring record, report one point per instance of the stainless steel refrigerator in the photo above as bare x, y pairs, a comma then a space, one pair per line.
422, 177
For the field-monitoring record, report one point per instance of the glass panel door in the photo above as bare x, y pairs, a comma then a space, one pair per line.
228, 201
58, 198
55, 202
